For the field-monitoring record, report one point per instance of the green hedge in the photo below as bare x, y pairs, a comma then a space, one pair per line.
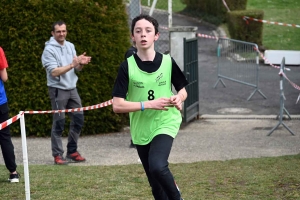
213, 11
249, 31
99, 28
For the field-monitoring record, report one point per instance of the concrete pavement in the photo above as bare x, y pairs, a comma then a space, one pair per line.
200, 140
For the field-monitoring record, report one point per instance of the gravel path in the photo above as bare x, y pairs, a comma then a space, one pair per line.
200, 140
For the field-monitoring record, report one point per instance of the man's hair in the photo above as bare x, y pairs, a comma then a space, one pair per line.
146, 17
59, 23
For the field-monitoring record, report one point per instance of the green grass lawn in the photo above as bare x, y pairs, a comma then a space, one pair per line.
285, 11
275, 37
259, 178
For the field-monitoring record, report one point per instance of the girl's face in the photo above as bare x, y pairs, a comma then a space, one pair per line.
144, 34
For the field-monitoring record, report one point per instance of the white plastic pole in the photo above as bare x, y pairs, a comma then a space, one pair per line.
170, 13
25, 157
152, 7
140, 6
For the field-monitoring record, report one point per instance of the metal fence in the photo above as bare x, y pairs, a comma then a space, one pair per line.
161, 10
191, 104
282, 98
238, 61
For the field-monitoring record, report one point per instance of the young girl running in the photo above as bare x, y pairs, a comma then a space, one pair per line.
143, 89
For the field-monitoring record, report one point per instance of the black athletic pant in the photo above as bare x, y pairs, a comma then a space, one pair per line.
154, 157
7, 146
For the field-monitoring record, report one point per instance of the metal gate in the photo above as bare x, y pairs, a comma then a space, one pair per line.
238, 61
191, 104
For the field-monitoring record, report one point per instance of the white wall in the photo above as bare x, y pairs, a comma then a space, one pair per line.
176, 35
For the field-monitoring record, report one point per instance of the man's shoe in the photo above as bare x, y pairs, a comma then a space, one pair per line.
59, 160
14, 178
75, 157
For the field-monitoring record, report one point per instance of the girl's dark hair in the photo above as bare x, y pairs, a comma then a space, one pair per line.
146, 17
59, 23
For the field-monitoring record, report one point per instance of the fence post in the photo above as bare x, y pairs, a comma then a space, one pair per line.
218, 65
134, 8
280, 117
237, 61
25, 156
152, 7
170, 13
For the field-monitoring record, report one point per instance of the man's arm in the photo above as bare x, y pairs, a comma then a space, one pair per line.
77, 63
62, 70
83, 60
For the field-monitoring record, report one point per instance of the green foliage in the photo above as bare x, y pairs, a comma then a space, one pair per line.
98, 28
240, 29
212, 11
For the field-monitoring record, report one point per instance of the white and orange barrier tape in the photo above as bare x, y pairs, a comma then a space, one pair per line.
163, 27
246, 18
267, 61
207, 36
10, 121
15, 118
281, 73
292, 83
101, 105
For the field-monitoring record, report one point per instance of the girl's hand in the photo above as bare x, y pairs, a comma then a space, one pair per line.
160, 104
176, 101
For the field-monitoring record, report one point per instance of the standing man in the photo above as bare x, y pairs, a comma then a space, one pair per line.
60, 61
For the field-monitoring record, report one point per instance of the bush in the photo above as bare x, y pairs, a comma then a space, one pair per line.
99, 28
248, 31
212, 11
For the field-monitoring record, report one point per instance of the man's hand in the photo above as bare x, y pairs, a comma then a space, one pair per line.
83, 59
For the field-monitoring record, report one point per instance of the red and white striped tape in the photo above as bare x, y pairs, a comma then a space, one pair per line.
267, 61
15, 118
10, 121
101, 105
163, 27
292, 83
281, 72
207, 36
269, 22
